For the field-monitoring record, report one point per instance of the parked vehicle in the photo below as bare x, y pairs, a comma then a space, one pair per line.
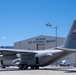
65, 63
75, 65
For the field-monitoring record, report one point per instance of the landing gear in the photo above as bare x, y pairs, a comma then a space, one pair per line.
2, 66
23, 66
34, 67
20, 67
37, 67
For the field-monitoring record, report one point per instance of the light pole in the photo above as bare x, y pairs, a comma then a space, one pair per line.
56, 27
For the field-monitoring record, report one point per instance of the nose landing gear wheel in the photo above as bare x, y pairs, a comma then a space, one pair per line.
3, 66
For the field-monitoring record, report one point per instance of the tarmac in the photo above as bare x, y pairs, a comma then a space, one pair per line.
48, 70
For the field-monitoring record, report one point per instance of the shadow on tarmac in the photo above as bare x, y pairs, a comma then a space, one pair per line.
64, 69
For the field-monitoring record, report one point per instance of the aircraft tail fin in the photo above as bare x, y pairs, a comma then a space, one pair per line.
70, 41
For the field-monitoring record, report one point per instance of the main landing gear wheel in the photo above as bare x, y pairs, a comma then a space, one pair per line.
37, 67
20, 67
23, 67
32, 67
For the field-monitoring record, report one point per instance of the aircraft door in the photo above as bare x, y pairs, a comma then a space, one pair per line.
37, 60
40, 46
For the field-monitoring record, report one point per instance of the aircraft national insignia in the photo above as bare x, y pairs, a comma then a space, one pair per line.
74, 30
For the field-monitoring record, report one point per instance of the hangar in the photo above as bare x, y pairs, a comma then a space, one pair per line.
43, 42
39, 43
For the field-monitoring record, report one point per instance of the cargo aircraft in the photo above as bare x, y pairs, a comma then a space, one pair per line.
35, 59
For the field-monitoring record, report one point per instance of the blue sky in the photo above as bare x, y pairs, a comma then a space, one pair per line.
23, 19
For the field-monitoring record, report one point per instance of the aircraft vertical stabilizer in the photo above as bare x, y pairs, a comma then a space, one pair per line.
70, 41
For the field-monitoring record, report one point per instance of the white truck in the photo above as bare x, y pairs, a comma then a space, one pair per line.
65, 63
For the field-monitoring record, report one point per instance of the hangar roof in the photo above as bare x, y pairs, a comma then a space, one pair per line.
40, 36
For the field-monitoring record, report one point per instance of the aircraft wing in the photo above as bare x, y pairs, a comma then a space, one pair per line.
17, 51
67, 49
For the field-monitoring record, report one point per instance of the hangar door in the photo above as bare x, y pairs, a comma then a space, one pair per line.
40, 46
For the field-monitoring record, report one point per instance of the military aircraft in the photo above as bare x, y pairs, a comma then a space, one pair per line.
35, 59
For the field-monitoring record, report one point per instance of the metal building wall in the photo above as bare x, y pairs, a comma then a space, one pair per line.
34, 43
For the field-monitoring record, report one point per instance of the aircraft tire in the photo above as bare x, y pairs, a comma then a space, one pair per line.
37, 67
25, 66
32, 67
20, 66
